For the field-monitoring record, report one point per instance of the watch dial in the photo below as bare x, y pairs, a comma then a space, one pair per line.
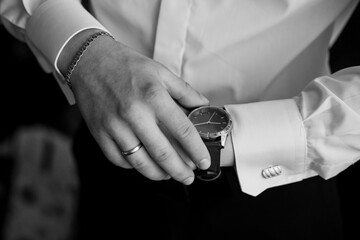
209, 120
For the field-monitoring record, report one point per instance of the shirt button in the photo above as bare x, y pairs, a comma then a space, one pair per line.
271, 171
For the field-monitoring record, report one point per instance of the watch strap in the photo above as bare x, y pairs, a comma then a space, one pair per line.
214, 171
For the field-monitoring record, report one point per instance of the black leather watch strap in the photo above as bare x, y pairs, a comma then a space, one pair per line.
214, 171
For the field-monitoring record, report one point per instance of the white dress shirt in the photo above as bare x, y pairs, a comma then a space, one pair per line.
265, 60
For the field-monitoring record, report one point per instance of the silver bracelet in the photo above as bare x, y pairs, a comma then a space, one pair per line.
81, 52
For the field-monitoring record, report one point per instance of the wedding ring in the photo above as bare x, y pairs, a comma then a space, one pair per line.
132, 151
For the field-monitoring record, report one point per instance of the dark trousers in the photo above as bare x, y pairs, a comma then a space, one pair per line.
118, 203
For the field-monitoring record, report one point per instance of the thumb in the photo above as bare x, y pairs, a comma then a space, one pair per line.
183, 93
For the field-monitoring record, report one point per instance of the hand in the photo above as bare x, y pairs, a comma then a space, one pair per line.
126, 98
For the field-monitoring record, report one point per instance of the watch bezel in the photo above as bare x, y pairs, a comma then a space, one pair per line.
216, 135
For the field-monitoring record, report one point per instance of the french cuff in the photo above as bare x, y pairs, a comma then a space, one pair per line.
269, 143
52, 25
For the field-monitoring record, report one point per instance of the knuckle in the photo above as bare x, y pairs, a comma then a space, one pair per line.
185, 130
108, 123
163, 155
139, 165
187, 87
130, 113
153, 92
146, 169
162, 72
104, 120
183, 94
125, 108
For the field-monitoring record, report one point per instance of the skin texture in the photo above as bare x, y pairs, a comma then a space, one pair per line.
126, 98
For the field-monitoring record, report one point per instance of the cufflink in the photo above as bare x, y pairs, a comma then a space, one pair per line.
271, 171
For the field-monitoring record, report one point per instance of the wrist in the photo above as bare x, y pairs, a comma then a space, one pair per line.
71, 48
268, 134
73, 54
53, 23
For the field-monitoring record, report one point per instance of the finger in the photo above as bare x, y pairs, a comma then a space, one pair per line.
182, 153
160, 149
112, 152
177, 147
168, 159
145, 165
140, 160
185, 110
181, 128
183, 93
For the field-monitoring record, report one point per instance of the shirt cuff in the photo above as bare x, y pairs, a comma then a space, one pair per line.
268, 134
52, 25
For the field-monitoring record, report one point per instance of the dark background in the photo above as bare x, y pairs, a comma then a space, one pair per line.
28, 96
346, 53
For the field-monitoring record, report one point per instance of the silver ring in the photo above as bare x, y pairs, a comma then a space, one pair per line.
132, 151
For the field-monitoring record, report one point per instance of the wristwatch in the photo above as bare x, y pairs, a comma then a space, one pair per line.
214, 125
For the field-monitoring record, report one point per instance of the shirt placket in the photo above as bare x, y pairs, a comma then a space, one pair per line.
171, 33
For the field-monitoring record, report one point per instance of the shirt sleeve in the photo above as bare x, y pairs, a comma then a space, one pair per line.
315, 133
46, 26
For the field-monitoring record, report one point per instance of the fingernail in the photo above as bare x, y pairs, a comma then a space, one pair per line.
188, 181
204, 164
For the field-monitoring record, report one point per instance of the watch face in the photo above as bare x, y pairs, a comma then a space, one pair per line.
211, 122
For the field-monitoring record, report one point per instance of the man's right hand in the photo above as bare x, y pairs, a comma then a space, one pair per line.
126, 98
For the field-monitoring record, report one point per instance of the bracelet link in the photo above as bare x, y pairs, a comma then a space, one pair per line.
81, 52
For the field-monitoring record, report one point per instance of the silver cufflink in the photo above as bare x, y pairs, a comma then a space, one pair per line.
271, 171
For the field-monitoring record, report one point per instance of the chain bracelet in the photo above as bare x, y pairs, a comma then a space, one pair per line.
80, 53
